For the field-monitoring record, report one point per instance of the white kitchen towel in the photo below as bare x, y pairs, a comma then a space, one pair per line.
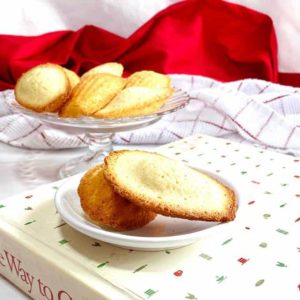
252, 111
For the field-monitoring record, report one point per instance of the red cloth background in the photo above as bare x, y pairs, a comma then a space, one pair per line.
212, 38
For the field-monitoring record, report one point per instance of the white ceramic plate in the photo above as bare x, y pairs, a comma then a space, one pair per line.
162, 233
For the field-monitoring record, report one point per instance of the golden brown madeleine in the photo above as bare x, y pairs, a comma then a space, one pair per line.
149, 79
135, 101
105, 207
91, 94
73, 77
43, 88
113, 68
168, 187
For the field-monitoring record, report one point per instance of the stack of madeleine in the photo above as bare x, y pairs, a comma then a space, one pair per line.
101, 92
132, 186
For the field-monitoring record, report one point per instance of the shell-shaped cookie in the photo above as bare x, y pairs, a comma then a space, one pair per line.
113, 68
91, 94
99, 201
169, 187
73, 77
149, 79
135, 101
43, 88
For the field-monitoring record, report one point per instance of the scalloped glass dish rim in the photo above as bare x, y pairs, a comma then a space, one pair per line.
175, 102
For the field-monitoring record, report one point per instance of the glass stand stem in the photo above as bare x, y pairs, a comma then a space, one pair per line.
100, 144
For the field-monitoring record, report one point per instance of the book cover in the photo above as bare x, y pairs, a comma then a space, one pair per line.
35, 266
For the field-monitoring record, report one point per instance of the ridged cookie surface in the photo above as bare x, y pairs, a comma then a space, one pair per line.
108, 68
149, 79
105, 207
91, 94
168, 187
135, 101
43, 88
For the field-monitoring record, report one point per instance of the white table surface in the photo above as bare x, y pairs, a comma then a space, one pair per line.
22, 170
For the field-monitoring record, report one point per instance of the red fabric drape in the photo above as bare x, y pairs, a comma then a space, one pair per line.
212, 38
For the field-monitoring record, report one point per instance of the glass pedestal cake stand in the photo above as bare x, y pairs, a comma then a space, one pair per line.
99, 132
